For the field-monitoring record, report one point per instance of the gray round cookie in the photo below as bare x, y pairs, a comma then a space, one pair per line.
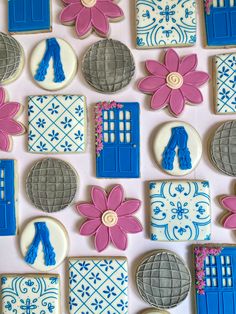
153, 311
11, 59
108, 66
51, 184
163, 280
223, 148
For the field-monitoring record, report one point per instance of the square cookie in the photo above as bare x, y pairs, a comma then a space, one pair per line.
225, 83
98, 285
30, 294
57, 124
166, 23
180, 210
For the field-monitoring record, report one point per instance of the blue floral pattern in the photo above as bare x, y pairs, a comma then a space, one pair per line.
30, 295
162, 23
180, 210
98, 286
57, 124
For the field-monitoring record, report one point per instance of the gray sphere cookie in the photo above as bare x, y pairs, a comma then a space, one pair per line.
163, 280
11, 59
108, 66
51, 184
223, 148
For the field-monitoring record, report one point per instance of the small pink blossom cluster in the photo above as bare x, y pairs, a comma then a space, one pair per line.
98, 121
208, 3
200, 255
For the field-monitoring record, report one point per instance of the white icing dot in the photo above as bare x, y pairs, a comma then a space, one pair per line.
109, 218
89, 3
174, 80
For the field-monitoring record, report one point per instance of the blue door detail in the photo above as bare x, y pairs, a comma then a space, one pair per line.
221, 23
119, 157
29, 15
7, 198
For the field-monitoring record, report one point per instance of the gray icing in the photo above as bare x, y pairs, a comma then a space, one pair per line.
223, 148
108, 66
51, 184
163, 280
11, 57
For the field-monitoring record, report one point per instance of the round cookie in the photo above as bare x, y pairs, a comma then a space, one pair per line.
152, 311
51, 184
108, 66
223, 148
44, 243
163, 279
177, 148
11, 59
53, 64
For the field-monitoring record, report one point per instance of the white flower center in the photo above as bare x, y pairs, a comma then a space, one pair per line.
174, 80
89, 3
109, 218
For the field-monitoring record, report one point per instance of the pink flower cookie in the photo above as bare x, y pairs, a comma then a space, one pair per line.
90, 15
8, 126
109, 218
229, 203
175, 82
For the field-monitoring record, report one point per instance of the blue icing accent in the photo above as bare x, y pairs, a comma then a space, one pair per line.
7, 198
29, 16
165, 23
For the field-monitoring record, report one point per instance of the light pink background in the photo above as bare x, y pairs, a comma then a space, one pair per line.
202, 117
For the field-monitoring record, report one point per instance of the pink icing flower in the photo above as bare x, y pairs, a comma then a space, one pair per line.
8, 126
174, 82
109, 218
90, 14
229, 202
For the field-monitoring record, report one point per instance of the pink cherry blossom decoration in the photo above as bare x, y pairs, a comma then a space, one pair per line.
90, 14
229, 202
109, 218
208, 4
175, 82
8, 126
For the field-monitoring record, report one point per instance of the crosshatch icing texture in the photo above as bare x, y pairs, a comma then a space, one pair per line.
163, 23
98, 285
225, 76
180, 210
57, 124
30, 294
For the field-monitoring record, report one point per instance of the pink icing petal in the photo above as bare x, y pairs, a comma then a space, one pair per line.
102, 238
11, 127
9, 110
5, 142
118, 238
130, 224
99, 198
88, 210
83, 22
192, 94
188, 63
128, 207
71, 1
70, 12
160, 98
230, 222
90, 227
110, 9
177, 102
229, 202
156, 68
150, 84
99, 21
115, 197
2, 95
196, 78
172, 60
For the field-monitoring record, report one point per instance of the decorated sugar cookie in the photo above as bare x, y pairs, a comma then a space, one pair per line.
53, 64
153, 311
229, 203
8, 124
174, 83
44, 243
88, 15
109, 218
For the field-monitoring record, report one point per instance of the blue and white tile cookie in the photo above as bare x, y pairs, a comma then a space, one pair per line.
180, 210
30, 294
225, 83
57, 124
98, 285
166, 23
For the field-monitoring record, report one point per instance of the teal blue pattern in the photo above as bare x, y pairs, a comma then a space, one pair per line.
98, 286
57, 124
165, 23
30, 294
